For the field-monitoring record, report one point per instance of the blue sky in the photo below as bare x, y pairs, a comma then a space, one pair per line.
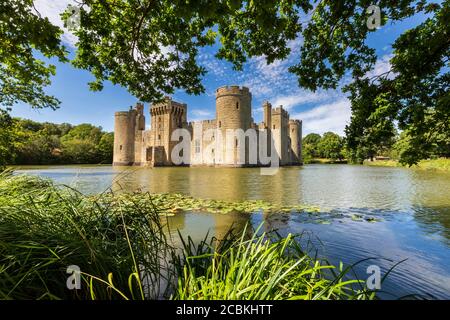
320, 111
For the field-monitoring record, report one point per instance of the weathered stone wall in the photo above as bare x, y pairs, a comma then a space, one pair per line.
267, 108
295, 135
139, 135
166, 117
203, 144
280, 134
233, 111
124, 138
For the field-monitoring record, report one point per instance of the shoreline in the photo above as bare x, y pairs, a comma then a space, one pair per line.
441, 164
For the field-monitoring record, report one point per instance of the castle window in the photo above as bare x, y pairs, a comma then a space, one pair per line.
237, 143
159, 137
274, 126
197, 145
292, 130
237, 105
220, 124
120, 147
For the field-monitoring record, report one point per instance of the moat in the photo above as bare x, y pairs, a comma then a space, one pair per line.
366, 212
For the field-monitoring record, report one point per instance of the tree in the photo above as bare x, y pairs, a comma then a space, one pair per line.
79, 151
5, 139
312, 138
25, 141
131, 43
330, 146
105, 147
37, 148
79, 145
307, 153
310, 146
84, 131
414, 93
23, 34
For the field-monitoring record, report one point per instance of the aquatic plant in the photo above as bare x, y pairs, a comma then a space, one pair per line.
171, 203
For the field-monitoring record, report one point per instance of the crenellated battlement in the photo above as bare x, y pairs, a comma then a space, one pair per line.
168, 106
232, 90
280, 110
208, 121
267, 104
122, 113
139, 108
294, 122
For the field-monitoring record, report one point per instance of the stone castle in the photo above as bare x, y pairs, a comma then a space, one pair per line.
134, 145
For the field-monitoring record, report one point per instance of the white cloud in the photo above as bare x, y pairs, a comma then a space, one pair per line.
201, 114
303, 96
212, 64
268, 81
52, 10
326, 117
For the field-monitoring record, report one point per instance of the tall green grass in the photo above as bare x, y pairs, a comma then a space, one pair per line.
120, 245
45, 229
263, 266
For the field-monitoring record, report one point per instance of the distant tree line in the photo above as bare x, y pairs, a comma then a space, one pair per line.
336, 148
28, 142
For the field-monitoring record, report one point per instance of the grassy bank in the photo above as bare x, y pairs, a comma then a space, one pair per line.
433, 164
325, 161
120, 245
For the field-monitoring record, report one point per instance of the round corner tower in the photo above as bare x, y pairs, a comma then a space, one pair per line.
124, 137
233, 111
295, 134
233, 107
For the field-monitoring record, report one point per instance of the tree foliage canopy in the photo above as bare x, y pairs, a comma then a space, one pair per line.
23, 34
329, 146
151, 47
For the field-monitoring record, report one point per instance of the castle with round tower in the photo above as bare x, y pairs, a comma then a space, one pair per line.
232, 139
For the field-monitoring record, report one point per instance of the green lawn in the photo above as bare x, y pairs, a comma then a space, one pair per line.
434, 164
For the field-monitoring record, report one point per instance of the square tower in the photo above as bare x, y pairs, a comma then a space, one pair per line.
166, 117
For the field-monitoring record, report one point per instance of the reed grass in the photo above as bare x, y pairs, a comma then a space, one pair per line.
44, 229
261, 267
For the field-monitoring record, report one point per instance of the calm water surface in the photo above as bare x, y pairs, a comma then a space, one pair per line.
413, 207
